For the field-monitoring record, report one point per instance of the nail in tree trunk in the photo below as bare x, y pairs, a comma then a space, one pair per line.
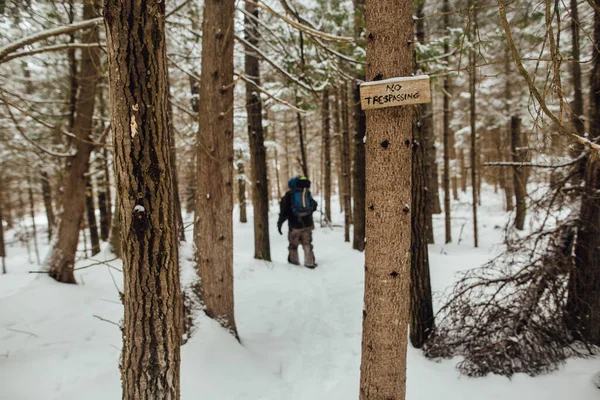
214, 190
258, 154
359, 184
325, 118
346, 164
152, 296
91, 216
47, 197
32, 215
421, 308
242, 191
473, 117
426, 139
520, 183
388, 198
447, 133
583, 304
62, 256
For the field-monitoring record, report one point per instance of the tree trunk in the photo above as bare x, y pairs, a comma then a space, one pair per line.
62, 257
509, 188
340, 146
214, 190
73, 84
174, 174
47, 197
421, 308
103, 178
242, 191
152, 295
91, 215
462, 165
388, 195
473, 118
358, 240
520, 183
447, 133
325, 118
303, 162
583, 305
346, 164
258, 154
115, 232
32, 215
426, 137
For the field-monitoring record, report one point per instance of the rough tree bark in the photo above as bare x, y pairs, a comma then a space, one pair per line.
519, 179
152, 296
91, 216
388, 166
325, 118
346, 173
62, 256
258, 154
213, 230
358, 173
447, 133
47, 197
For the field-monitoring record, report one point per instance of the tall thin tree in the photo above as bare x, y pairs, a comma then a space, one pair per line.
326, 118
447, 132
213, 230
473, 114
62, 256
388, 198
258, 154
152, 297
358, 173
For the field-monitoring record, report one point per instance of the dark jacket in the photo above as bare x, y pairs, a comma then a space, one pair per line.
285, 213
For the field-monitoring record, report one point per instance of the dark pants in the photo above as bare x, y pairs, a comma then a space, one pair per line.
302, 237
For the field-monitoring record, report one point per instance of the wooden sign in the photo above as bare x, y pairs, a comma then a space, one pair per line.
395, 92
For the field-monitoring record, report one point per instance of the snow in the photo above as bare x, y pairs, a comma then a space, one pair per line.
300, 329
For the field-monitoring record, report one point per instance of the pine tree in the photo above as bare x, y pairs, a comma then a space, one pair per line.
152, 297
388, 198
213, 230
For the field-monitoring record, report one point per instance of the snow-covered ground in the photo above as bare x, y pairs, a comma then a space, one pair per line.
300, 329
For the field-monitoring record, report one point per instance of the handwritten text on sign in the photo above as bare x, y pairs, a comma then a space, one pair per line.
395, 92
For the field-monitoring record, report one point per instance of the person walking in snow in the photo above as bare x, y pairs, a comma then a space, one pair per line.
297, 207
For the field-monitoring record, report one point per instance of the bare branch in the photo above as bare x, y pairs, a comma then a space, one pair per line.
49, 49
36, 37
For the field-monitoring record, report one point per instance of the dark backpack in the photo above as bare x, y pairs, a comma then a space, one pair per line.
301, 202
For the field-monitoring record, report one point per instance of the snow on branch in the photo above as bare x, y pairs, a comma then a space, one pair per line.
277, 67
533, 88
11, 47
302, 27
51, 48
277, 99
